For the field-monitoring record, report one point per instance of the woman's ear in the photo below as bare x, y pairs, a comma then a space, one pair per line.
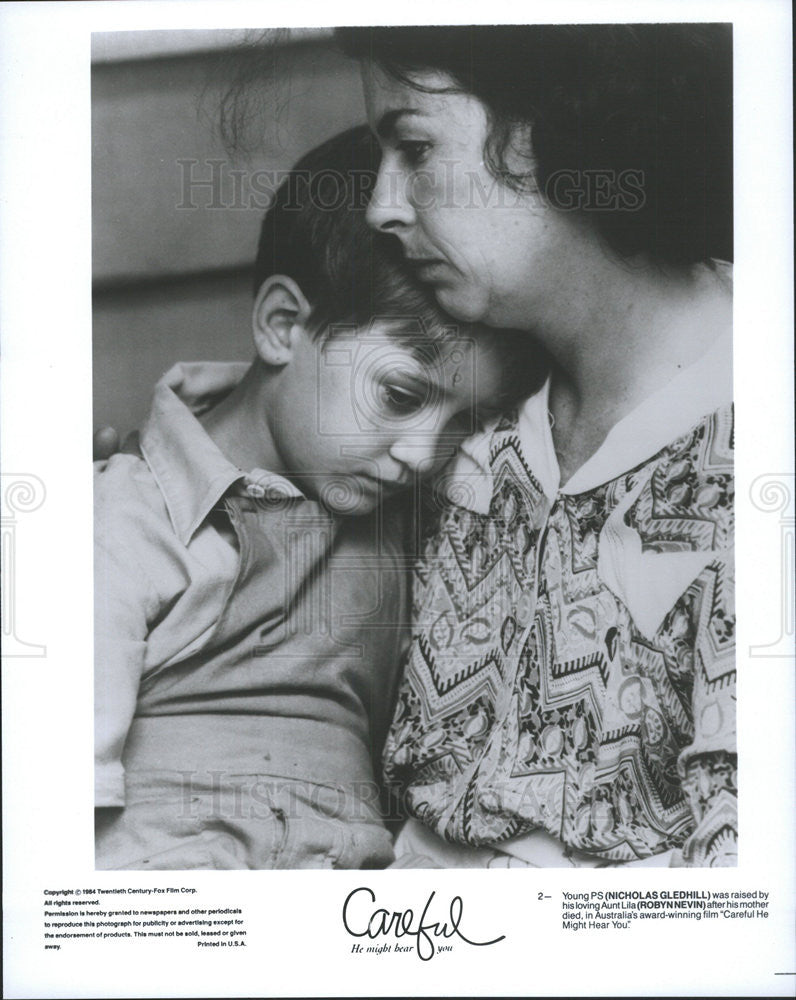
518, 154
280, 314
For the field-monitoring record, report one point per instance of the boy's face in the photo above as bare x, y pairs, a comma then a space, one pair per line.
357, 418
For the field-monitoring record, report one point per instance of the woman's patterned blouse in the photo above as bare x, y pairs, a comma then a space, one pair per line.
572, 663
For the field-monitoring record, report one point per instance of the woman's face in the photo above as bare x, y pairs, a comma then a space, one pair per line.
491, 254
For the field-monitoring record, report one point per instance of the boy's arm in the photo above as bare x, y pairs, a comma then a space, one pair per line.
118, 665
123, 607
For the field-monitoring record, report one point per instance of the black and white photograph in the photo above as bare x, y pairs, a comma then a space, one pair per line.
528, 245
404, 496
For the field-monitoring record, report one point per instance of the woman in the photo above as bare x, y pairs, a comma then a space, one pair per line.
569, 696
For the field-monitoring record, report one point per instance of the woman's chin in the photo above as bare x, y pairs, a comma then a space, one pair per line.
461, 303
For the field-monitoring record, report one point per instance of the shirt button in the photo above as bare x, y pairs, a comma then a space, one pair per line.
256, 484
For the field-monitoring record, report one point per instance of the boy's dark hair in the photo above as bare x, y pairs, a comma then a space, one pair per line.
648, 102
315, 232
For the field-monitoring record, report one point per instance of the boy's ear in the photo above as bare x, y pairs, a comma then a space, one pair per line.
280, 314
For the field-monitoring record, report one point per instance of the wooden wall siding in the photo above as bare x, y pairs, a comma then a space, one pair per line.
115, 46
172, 282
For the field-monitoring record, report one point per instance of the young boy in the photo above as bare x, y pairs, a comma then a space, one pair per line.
250, 583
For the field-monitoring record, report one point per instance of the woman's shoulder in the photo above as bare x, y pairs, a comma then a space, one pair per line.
687, 503
699, 462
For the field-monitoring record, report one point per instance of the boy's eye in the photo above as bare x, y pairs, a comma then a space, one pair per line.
414, 150
400, 400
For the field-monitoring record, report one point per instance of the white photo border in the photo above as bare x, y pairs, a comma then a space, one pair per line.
297, 945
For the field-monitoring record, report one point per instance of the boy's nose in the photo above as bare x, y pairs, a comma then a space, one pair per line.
419, 452
390, 209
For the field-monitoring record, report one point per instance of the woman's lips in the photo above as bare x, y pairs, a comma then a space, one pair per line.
427, 268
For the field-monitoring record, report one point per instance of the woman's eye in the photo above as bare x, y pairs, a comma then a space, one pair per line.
414, 151
402, 401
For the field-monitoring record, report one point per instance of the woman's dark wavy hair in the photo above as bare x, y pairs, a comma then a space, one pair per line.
648, 98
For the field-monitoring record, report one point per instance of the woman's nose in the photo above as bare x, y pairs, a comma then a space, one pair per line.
390, 208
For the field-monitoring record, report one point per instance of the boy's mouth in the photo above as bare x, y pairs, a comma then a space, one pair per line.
386, 485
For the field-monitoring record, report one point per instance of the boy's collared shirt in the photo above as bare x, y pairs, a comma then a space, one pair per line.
176, 632
190, 470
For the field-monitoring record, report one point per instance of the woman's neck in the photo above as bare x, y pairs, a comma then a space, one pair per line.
630, 331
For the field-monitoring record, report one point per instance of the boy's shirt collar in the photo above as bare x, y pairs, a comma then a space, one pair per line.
660, 419
191, 471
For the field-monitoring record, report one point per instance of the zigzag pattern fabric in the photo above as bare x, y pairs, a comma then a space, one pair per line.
572, 665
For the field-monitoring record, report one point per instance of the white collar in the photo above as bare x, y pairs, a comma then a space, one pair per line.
661, 418
190, 469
